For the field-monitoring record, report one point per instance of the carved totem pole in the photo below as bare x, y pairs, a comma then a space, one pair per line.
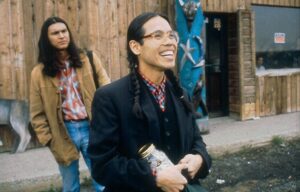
189, 21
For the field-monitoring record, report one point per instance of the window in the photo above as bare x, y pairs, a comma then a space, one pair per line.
277, 31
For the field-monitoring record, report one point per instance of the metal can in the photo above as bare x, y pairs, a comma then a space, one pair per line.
157, 159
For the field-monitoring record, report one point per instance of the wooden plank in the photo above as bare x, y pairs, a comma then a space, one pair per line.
72, 18
139, 7
19, 83
284, 94
273, 95
12, 34
6, 82
113, 38
293, 93
221, 5
164, 6
92, 25
268, 95
61, 9
49, 8
279, 94
262, 95
152, 6
122, 35
130, 10
5, 77
289, 94
30, 38
257, 97
104, 44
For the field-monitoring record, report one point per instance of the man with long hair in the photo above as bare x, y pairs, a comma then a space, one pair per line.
61, 92
151, 109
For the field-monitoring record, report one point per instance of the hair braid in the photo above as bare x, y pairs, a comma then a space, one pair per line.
136, 108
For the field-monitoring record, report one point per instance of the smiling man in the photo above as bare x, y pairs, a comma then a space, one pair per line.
61, 93
146, 107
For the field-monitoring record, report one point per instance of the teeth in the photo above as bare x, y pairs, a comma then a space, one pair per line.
165, 53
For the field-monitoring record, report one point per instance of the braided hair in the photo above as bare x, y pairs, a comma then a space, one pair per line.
136, 32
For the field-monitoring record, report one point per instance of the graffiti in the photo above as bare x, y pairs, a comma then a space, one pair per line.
189, 20
15, 114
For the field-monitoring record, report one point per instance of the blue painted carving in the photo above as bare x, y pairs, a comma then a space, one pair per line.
189, 21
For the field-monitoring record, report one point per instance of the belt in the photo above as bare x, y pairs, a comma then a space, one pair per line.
75, 120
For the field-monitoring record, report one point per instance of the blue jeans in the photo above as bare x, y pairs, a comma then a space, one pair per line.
79, 133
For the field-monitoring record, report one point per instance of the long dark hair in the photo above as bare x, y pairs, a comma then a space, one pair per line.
136, 32
48, 53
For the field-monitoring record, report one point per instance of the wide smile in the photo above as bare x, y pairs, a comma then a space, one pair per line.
169, 54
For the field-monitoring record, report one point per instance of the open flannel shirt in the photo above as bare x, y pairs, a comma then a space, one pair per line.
73, 107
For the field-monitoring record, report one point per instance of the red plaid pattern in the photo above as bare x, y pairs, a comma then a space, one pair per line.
73, 107
158, 91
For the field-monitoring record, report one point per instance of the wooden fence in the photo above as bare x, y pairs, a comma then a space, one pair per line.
276, 94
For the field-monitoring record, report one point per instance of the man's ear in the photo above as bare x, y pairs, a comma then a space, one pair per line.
135, 47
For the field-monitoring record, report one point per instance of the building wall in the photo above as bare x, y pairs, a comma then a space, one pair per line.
101, 25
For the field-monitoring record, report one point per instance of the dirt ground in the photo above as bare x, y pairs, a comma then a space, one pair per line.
273, 168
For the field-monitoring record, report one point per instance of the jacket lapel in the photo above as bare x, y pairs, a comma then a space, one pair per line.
55, 82
181, 116
150, 114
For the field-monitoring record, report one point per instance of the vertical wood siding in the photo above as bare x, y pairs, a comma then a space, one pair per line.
12, 68
229, 6
276, 94
99, 25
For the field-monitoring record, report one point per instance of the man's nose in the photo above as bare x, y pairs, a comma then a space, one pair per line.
61, 35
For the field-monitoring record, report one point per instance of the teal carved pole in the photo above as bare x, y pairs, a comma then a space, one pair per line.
191, 64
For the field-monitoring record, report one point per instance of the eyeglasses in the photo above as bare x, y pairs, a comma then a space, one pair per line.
160, 35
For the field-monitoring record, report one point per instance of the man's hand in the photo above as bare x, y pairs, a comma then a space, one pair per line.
170, 179
193, 163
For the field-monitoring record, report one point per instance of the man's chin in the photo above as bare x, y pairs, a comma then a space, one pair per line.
61, 48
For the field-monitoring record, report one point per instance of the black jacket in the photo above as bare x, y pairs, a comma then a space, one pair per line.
117, 135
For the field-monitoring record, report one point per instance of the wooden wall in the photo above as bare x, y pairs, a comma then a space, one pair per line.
231, 6
12, 67
288, 3
276, 94
96, 24
99, 25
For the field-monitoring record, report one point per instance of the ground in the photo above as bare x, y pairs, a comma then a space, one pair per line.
272, 168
